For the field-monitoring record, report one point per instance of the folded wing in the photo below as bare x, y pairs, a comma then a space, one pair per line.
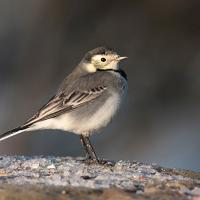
63, 103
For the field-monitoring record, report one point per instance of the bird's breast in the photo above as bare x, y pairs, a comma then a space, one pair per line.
93, 119
104, 114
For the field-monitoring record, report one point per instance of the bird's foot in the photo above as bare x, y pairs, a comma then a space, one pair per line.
106, 163
91, 161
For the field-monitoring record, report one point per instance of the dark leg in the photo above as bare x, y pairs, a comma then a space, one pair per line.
83, 142
90, 153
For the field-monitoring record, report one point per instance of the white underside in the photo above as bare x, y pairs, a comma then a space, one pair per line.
86, 126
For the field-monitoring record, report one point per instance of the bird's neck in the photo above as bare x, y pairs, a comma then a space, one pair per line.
120, 71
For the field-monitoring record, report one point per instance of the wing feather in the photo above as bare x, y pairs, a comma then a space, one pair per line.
63, 103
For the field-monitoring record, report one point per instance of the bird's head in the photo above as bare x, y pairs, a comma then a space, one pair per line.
101, 58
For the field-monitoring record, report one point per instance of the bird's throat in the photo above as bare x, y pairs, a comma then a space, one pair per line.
120, 71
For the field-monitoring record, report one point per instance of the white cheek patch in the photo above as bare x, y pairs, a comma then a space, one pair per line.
90, 68
112, 65
110, 62
97, 58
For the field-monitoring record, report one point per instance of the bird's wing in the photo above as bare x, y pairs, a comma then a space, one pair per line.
63, 103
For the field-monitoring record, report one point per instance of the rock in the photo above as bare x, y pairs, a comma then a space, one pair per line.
72, 178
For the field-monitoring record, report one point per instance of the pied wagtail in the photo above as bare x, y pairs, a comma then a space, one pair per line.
86, 101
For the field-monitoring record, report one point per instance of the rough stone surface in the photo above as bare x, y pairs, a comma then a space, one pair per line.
73, 178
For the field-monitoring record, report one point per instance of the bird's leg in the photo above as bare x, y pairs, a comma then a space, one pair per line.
90, 153
91, 149
83, 142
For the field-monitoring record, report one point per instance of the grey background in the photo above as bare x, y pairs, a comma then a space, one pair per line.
41, 42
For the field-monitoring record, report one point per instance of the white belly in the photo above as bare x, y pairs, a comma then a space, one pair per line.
87, 125
101, 117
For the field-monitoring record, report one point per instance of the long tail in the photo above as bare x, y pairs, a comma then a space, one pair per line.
13, 132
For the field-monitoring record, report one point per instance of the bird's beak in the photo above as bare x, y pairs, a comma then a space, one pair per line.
121, 58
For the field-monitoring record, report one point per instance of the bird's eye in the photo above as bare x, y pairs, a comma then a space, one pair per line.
103, 59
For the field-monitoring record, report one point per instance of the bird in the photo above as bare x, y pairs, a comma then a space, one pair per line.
86, 101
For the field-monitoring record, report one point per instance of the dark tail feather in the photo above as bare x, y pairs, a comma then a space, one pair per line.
13, 132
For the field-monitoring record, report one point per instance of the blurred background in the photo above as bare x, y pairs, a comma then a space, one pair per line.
41, 42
